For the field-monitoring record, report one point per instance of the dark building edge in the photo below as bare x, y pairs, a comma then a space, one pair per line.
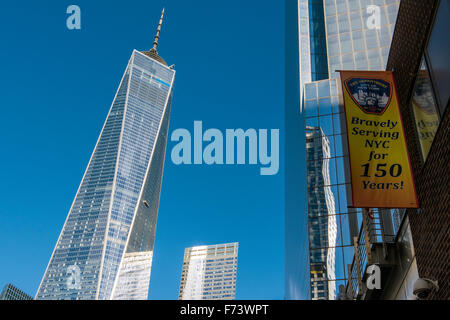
430, 224
296, 223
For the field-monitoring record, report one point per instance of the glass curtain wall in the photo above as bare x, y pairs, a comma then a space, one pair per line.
359, 33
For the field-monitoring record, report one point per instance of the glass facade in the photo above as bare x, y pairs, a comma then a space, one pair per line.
312, 42
10, 292
329, 224
322, 226
209, 272
359, 33
438, 51
431, 94
318, 45
354, 41
105, 248
304, 44
296, 234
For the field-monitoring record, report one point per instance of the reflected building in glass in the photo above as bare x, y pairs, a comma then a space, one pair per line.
333, 35
209, 272
322, 226
105, 248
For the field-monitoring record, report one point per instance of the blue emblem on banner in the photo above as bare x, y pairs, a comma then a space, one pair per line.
371, 95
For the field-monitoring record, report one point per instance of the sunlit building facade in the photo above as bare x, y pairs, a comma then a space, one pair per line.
209, 272
105, 248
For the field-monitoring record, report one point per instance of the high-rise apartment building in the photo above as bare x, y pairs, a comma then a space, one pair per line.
11, 292
332, 35
105, 248
209, 272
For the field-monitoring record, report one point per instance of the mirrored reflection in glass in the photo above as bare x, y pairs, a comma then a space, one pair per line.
425, 110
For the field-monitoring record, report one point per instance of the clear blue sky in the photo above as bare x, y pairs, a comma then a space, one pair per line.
57, 86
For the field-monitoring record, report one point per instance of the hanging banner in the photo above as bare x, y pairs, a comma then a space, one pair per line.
381, 175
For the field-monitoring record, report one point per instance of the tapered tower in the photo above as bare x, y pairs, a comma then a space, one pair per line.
105, 248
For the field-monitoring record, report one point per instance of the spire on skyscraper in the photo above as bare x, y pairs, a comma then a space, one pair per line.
158, 30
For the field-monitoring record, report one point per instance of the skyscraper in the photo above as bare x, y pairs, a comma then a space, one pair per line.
105, 248
332, 35
209, 272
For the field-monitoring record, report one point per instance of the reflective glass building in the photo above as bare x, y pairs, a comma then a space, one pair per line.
332, 35
322, 228
105, 248
11, 292
209, 272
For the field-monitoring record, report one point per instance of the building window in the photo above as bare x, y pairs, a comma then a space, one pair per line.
425, 109
438, 50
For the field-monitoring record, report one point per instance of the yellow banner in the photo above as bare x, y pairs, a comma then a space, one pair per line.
381, 175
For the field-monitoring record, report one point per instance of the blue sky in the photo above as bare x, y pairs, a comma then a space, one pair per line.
57, 87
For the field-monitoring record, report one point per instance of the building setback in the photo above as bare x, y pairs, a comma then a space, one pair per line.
209, 272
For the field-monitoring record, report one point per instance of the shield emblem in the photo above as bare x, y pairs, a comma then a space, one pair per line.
371, 95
